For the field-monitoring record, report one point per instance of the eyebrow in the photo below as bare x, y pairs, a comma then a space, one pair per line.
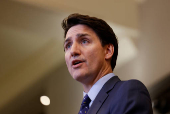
77, 35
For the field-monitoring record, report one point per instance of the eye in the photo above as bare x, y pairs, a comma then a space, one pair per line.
84, 41
67, 46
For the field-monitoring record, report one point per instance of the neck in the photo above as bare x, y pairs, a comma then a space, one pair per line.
88, 86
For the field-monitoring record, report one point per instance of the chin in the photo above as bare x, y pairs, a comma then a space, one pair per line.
79, 77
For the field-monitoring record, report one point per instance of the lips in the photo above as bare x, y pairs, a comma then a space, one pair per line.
77, 63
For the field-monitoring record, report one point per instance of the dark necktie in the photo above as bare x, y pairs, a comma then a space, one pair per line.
85, 105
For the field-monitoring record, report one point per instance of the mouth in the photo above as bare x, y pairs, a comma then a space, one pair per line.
77, 63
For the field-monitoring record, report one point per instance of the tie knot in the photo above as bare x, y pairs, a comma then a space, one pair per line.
86, 100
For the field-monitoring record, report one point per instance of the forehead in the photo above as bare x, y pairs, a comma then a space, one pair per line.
79, 29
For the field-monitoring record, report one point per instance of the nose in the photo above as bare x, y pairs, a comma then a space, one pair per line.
75, 50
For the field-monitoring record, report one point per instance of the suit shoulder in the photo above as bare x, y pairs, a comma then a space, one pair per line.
133, 84
132, 81
132, 96
130, 86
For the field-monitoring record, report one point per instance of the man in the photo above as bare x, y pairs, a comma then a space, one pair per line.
91, 51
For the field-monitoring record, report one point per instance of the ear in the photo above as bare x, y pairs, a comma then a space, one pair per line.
109, 51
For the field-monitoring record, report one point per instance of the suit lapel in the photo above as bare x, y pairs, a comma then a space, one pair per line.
102, 95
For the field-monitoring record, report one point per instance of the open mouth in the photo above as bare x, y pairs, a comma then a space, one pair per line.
76, 62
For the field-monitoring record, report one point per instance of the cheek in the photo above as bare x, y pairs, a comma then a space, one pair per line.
97, 56
67, 60
94, 56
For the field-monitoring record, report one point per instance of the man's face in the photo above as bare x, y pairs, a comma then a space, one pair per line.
84, 54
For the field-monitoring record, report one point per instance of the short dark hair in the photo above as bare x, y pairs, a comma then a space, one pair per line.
99, 26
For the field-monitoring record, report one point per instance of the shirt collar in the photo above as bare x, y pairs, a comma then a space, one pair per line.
98, 86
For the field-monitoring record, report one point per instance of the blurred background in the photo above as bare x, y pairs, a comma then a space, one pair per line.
32, 61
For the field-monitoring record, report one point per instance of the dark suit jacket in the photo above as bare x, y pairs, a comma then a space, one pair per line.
122, 97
